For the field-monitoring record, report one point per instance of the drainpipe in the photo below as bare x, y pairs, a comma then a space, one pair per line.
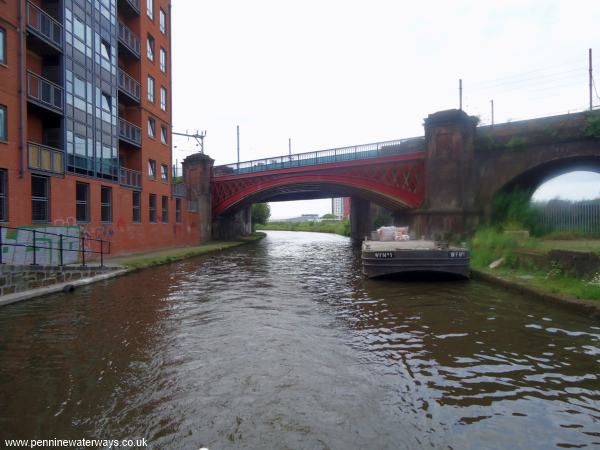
21, 90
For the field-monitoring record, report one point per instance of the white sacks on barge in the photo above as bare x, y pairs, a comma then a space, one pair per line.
401, 256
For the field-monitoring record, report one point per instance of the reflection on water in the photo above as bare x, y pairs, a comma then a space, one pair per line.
283, 344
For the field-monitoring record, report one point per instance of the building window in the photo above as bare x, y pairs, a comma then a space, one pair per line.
150, 48
136, 206
106, 102
150, 8
105, 50
3, 44
152, 169
3, 195
163, 59
164, 173
163, 134
162, 21
150, 89
152, 208
163, 98
165, 209
82, 202
105, 204
151, 127
178, 210
3, 124
40, 199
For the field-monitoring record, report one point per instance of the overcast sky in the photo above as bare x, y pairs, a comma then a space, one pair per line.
332, 73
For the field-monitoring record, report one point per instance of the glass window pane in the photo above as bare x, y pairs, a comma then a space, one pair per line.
2, 46
3, 123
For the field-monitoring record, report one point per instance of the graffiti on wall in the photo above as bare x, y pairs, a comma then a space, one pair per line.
17, 245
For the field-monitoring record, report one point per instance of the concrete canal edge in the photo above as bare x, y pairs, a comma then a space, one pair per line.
58, 287
589, 307
132, 263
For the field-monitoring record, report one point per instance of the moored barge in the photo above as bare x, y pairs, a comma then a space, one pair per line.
389, 258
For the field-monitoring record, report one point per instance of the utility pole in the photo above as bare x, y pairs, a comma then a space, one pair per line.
199, 136
591, 77
492, 103
238, 145
290, 146
460, 94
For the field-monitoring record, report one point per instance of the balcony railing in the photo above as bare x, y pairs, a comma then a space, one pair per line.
130, 133
48, 159
44, 26
130, 178
129, 40
44, 92
131, 7
178, 190
129, 86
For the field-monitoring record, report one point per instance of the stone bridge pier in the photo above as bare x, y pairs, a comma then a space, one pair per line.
228, 226
197, 170
449, 206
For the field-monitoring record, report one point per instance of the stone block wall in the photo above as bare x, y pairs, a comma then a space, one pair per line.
22, 278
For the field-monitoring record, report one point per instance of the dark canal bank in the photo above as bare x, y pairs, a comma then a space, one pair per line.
282, 344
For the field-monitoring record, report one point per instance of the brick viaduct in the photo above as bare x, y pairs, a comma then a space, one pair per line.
440, 183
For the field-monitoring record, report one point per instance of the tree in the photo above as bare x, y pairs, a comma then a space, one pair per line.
260, 213
329, 216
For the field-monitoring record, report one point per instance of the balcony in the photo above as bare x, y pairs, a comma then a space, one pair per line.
47, 159
47, 30
129, 40
45, 93
178, 190
129, 7
130, 178
130, 133
129, 87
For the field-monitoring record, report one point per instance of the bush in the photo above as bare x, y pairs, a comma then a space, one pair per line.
513, 211
488, 244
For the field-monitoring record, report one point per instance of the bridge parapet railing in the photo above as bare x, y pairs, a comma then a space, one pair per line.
334, 155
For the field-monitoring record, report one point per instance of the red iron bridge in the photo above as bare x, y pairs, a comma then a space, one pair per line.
438, 183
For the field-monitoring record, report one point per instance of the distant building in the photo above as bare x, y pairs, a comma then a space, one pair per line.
340, 207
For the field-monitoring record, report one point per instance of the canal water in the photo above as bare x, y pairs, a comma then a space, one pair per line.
283, 345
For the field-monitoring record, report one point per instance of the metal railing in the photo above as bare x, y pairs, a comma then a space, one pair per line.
178, 190
129, 39
129, 132
43, 157
44, 25
44, 240
44, 92
366, 151
132, 5
129, 85
562, 215
130, 178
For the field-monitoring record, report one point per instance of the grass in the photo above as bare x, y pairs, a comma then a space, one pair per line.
341, 227
155, 258
488, 245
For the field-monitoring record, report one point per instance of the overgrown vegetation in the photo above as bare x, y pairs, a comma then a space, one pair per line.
260, 214
523, 257
341, 227
490, 244
592, 125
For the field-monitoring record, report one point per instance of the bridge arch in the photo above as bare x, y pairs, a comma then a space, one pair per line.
395, 183
532, 167
306, 187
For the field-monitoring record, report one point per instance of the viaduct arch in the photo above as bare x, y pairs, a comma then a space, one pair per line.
441, 183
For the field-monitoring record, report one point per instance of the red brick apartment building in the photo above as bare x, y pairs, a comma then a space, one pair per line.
85, 121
